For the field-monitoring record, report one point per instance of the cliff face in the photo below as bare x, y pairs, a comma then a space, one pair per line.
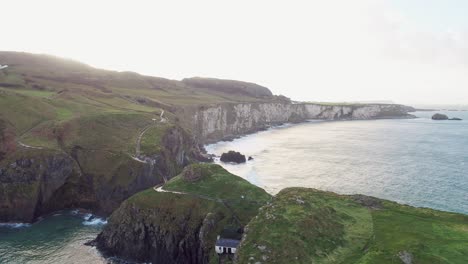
160, 232
29, 182
181, 227
213, 123
34, 182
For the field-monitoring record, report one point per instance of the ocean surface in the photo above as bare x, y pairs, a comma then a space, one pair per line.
420, 162
414, 161
58, 238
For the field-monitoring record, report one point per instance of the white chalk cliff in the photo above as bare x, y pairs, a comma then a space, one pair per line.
213, 123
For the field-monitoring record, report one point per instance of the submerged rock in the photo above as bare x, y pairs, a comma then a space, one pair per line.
233, 156
456, 119
439, 117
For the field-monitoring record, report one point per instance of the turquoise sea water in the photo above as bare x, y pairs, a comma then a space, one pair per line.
58, 238
420, 162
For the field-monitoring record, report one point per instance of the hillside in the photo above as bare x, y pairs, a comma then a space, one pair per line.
310, 226
180, 223
75, 136
98, 136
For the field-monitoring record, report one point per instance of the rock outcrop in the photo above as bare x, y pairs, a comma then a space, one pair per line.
233, 156
439, 117
34, 182
181, 223
28, 183
159, 232
224, 121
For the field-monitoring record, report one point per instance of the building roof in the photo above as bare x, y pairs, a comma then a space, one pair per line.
226, 242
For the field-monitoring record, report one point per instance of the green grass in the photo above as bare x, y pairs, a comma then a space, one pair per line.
170, 211
304, 226
430, 236
64, 114
216, 182
33, 93
151, 141
331, 228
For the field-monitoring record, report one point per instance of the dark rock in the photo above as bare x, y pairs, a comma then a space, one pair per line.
250, 158
192, 173
91, 243
233, 156
160, 234
39, 182
456, 119
439, 117
368, 201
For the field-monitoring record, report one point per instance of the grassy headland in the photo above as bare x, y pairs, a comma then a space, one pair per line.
310, 226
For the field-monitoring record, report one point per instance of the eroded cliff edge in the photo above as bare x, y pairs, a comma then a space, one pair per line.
212, 123
34, 182
180, 222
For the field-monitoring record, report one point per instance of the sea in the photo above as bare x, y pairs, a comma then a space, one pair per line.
418, 161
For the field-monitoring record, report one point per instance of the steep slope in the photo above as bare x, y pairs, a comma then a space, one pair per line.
180, 223
120, 132
211, 123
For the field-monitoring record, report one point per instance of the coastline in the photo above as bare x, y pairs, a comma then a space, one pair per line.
257, 146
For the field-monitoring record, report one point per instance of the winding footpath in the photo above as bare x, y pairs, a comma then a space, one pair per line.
159, 188
28, 146
140, 136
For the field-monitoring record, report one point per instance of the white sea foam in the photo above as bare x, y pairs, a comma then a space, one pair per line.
90, 219
95, 221
15, 225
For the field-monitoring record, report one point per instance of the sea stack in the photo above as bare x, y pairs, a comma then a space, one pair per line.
233, 156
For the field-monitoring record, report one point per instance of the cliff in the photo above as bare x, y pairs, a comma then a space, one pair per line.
223, 121
34, 182
180, 223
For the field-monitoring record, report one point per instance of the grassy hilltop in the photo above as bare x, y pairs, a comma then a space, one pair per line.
310, 226
182, 228
298, 225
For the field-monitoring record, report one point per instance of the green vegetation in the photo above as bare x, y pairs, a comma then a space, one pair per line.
310, 226
151, 139
57, 103
209, 192
214, 182
430, 236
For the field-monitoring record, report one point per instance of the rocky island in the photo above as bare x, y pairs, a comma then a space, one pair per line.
233, 156
439, 116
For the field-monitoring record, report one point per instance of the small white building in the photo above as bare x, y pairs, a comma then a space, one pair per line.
226, 245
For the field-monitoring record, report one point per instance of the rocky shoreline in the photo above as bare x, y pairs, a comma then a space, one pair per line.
213, 123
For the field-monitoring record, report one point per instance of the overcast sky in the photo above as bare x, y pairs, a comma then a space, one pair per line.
407, 51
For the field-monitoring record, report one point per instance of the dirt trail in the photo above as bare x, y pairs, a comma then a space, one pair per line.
140, 136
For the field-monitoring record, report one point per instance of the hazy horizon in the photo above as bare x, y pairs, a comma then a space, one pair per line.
407, 52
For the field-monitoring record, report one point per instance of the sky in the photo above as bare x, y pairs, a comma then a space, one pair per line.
406, 51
